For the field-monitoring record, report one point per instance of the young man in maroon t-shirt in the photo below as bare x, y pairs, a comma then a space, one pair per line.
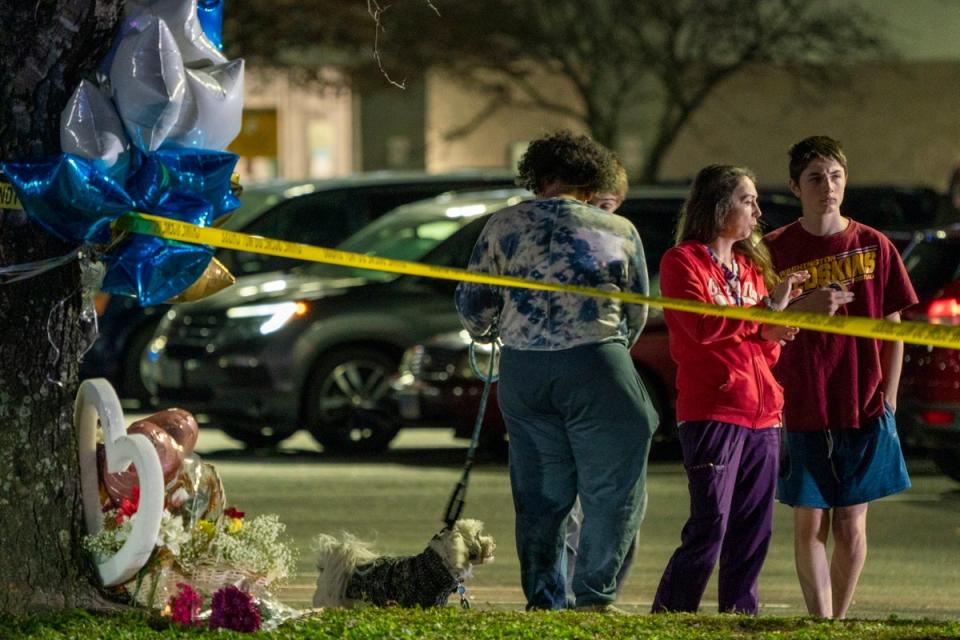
840, 392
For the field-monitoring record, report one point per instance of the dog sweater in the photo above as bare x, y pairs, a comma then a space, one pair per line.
408, 581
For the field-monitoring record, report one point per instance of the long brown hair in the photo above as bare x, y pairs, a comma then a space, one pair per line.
707, 207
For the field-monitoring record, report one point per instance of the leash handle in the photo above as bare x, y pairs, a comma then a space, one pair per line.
490, 375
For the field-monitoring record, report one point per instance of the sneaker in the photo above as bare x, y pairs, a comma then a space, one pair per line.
603, 608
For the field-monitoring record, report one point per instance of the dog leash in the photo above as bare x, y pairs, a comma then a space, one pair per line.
458, 497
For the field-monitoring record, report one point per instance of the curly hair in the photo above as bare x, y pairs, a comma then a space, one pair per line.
575, 161
621, 182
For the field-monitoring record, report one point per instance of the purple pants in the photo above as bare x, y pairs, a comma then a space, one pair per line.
732, 477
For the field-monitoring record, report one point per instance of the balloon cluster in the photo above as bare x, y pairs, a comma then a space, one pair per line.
147, 136
193, 486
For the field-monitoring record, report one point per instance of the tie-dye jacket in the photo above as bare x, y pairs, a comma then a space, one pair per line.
559, 241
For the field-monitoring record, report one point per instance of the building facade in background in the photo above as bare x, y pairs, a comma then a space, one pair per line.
292, 132
897, 118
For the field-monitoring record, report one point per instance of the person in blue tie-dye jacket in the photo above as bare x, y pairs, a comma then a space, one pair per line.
577, 415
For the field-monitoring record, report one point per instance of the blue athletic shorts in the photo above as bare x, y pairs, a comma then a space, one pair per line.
842, 467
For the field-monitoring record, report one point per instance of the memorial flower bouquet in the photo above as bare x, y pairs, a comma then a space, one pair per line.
207, 553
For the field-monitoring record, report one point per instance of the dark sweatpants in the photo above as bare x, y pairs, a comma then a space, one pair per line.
732, 477
580, 423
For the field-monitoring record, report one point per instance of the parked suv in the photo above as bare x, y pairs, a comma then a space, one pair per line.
314, 346
317, 212
928, 408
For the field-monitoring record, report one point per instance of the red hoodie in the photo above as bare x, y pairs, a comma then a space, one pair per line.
723, 365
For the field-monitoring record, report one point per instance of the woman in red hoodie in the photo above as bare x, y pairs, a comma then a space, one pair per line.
728, 402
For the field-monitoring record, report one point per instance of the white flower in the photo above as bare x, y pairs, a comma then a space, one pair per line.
122, 532
172, 533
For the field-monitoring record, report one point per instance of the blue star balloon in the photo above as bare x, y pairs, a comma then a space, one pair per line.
210, 13
71, 197
154, 269
204, 173
75, 200
199, 172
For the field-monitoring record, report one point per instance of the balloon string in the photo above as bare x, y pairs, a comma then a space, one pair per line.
55, 359
27, 270
89, 257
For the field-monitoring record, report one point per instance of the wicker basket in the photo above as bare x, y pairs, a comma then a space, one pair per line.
157, 587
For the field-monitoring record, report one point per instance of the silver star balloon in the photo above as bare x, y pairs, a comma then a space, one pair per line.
149, 82
91, 128
181, 17
210, 117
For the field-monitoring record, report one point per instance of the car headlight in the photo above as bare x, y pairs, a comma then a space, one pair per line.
269, 317
412, 359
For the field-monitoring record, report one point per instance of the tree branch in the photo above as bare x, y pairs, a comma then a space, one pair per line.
375, 11
492, 106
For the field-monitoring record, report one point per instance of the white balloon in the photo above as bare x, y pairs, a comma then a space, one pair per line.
148, 81
91, 128
181, 17
210, 117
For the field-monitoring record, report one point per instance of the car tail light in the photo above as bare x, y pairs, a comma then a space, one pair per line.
944, 311
100, 300
937, 417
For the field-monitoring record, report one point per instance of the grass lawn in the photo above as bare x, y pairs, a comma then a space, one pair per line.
481, 625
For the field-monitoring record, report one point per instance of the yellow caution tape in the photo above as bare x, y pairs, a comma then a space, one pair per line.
912, 332
8, 197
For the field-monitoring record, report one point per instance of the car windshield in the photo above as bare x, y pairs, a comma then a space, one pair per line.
409, 233
253, 202
932, 264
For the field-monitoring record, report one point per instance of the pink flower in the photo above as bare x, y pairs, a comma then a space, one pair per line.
235, 610
185, 606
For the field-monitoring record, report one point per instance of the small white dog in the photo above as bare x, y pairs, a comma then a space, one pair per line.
351, 573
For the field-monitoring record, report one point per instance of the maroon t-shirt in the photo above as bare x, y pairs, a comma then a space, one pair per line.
830, 380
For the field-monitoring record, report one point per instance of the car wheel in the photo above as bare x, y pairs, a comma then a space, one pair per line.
349, 409
948, 462
131, 381
256, 437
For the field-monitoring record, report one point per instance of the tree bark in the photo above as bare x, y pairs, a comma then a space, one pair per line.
48, 46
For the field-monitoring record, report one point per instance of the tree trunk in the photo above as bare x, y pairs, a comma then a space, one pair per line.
669, 127
604, 128
48, 46
653, 159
